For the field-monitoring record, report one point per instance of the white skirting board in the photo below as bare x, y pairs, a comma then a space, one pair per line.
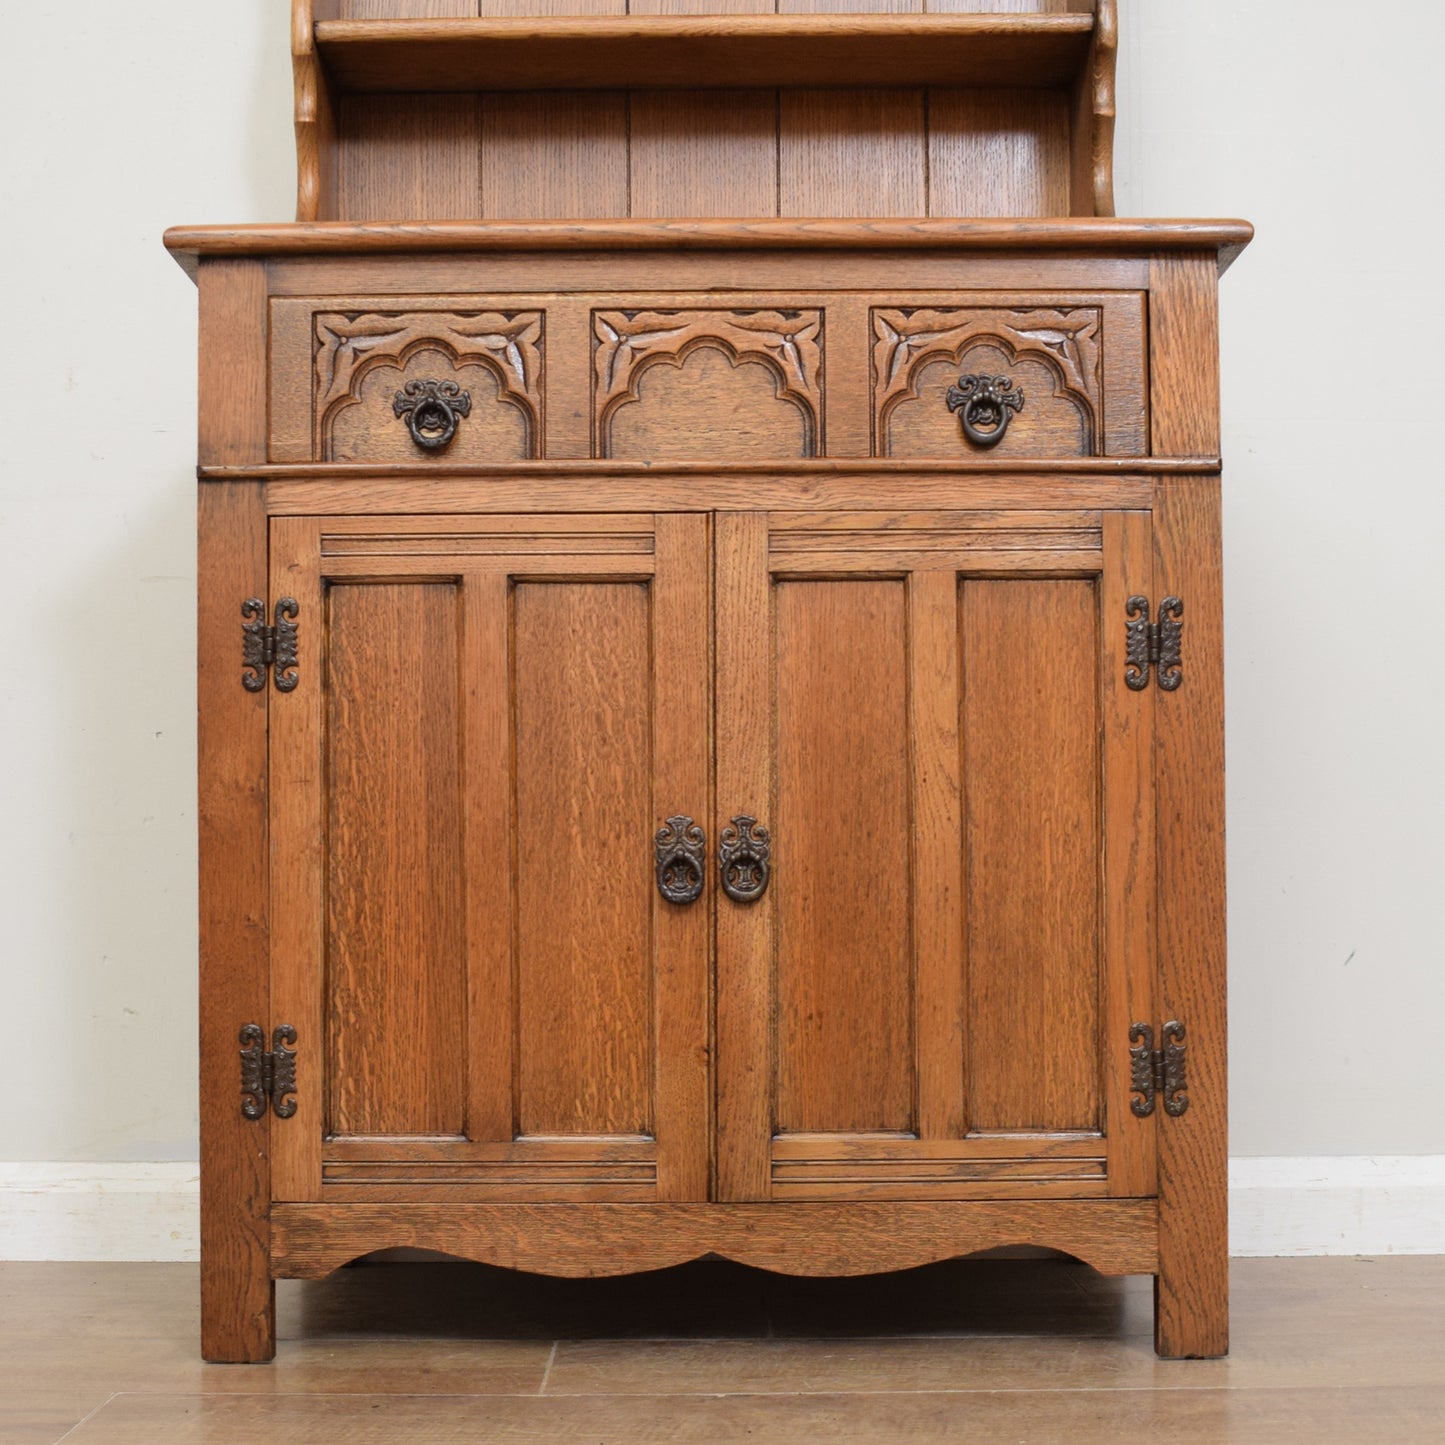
1364, 1204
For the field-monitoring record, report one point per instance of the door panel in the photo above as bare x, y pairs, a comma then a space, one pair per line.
583, 924
493, 718
929, 712
396, 965
841, 696
1030, 738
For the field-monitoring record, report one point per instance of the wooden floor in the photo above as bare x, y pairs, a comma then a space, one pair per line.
1349, 1350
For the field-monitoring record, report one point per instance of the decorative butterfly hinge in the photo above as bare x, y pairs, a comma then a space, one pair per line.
268, 1077
1158, 1072
269, 647
1154, 644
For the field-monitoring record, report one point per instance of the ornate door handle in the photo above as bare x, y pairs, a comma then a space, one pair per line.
744, 858
433, 410
679, 847
985, 405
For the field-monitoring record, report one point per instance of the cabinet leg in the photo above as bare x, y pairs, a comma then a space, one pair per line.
1191, 1315
238, 1314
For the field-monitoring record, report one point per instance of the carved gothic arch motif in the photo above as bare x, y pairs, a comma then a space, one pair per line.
1066, 340
626, 345
509, 345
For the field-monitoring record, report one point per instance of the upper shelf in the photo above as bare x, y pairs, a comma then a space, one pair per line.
668, 52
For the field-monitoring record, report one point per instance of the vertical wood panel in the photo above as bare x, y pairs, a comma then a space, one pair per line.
297, 777
581, 654
704, 153
844, 972
1192, 1300
998, 153
701, 7
682, 756
848, 7
404, 9
487, 855
851, 153
1184, 355
396, 973
938, 927
1130, 994
743, 1016
567, 377
551, 7
547, 155
237, 1297
847, 421
231, 383
1005, 7
1030, 769
408, 158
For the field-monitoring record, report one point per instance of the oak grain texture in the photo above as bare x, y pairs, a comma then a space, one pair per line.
681, 643
851, 153
707, 393
841, 824
1128, 892
1115, 1236
317, 149
1192, 1308
549, 156
1029, 733
296, 772
581, 730
396, 974
237, 1300
997, 153
745, 933
408, 157
936, 842
703, 153
679, 52
1192, 1316
1079, 236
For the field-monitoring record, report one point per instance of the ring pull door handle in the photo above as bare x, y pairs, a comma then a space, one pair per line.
432, 411
985, 404
744, 857
679, 849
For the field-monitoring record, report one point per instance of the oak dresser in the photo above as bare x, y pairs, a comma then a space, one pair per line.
710, 729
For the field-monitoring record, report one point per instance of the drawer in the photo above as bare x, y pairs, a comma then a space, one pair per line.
1011, 377
369, 384
678, 377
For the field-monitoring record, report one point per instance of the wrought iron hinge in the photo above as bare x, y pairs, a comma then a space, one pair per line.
1154, 644
269, 646
1158, 1072
268, 1076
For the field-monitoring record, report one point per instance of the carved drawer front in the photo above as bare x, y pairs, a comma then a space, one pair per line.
408, 386
1015, 377
708, 383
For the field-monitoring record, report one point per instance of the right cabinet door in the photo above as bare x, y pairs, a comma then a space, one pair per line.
929, 715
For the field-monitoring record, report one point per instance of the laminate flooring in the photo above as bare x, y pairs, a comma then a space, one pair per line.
1325, 1350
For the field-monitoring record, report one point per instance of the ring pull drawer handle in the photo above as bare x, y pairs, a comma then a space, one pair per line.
680, 847
432, 410
744, 857
985, 405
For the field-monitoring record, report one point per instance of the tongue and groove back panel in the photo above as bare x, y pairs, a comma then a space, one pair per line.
427, 153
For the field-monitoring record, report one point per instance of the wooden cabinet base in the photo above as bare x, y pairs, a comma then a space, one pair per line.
1116, 1236
483, 970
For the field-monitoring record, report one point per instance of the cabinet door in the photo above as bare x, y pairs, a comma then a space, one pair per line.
929, 714
493, 718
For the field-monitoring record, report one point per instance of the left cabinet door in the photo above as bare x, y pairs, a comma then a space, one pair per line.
494, 716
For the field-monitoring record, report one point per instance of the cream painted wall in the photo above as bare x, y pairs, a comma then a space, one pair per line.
1323, 131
